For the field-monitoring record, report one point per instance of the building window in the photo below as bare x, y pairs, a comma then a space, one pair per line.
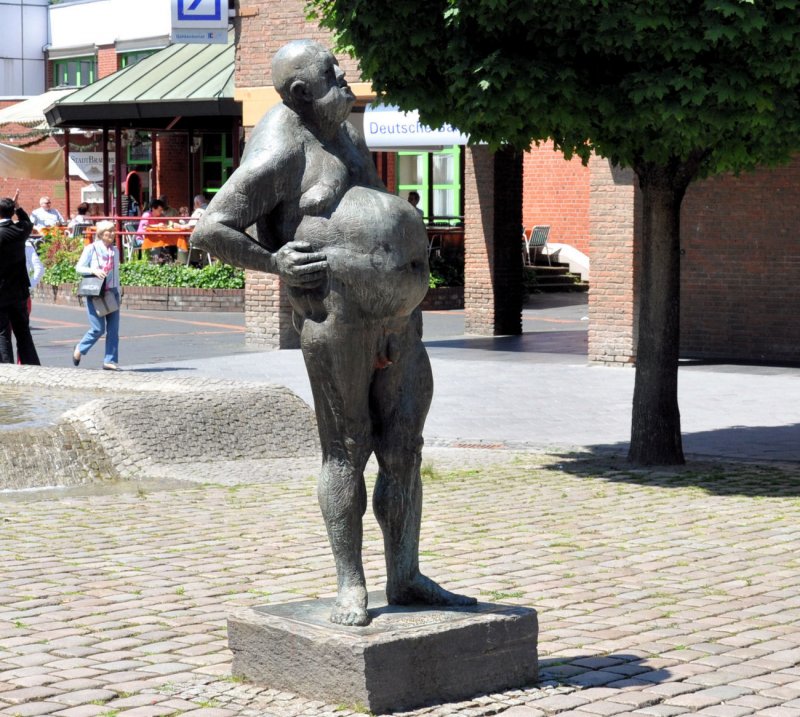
437, 178
140, 151
74, 71
217, 161
126, 59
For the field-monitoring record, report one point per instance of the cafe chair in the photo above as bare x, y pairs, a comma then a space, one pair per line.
193, 251
78, 230
131, 242
534, 241
434, 245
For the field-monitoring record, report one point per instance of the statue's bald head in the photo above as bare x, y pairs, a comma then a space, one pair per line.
291, 61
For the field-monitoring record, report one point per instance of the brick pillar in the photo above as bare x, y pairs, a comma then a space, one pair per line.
492, 231
267, 313
172, 149
615, 234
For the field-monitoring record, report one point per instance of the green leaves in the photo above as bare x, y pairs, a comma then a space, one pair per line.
213, 276
629, 78
143, 273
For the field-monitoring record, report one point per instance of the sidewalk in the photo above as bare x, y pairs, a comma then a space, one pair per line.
538, 390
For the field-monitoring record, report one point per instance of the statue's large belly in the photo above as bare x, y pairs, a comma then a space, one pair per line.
377, 251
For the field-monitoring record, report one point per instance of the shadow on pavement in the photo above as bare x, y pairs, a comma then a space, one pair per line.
553, 342
160, 369
725, 476
608, 670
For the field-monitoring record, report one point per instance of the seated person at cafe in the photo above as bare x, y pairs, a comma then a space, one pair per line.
45, 215
81, 218
151, 218
195, 257
168, 210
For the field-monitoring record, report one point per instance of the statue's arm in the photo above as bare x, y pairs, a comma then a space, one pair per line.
222, 230
253, 192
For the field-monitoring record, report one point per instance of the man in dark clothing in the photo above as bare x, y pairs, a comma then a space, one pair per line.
14, 284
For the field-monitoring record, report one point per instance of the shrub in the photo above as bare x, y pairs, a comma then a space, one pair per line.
58, 247
446, 271
63, 272
213, 276
143, 273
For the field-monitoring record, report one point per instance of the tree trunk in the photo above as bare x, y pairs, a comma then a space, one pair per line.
656, 421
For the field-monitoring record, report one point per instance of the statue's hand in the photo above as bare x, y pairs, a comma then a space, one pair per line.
298, 265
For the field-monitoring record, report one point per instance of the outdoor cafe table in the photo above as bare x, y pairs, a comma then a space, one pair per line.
164, 235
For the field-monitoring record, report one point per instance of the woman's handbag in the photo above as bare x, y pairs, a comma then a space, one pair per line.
106, 303
90, 286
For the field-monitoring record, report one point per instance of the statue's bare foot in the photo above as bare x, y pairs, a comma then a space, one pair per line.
351, 606
421, 590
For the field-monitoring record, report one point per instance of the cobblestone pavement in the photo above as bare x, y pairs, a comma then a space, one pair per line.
659, 593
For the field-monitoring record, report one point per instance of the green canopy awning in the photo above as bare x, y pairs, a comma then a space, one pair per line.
172, 89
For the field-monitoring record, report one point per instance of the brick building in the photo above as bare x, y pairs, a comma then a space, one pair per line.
91, 41
740, 248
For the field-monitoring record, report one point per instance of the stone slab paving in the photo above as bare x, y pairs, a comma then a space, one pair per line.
659, 593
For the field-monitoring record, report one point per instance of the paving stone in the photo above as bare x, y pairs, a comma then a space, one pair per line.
605, 707
28, 694
706, 698
725, 710
559, 703
32, 709
663, 710
79, 697
670, 574
593, 678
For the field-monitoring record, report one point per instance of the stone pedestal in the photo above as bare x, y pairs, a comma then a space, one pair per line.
406, 657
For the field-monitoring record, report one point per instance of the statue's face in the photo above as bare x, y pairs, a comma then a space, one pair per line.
332, 97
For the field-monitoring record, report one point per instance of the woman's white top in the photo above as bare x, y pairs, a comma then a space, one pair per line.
95, 256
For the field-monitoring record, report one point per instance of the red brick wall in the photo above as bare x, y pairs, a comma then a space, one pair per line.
264, 27
478, 214
740, 288
172, 152
267, 313
31, 190
556, 192
613, 268
492, 257
107, 63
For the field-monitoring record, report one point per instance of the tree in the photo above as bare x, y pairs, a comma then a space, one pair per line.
676, 90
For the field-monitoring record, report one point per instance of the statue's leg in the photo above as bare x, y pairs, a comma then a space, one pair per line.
401, 395
339, 371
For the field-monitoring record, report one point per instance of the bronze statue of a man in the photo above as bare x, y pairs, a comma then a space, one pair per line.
355, 260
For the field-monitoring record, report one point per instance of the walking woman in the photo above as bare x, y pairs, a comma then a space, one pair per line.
101, 259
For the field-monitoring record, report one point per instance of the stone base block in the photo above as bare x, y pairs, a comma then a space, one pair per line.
405, 658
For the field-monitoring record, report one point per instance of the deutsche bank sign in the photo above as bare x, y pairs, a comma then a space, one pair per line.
200, 10
386, 127
201, 21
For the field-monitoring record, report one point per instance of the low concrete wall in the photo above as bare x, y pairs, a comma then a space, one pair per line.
444, 298
144, 426
153, 298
